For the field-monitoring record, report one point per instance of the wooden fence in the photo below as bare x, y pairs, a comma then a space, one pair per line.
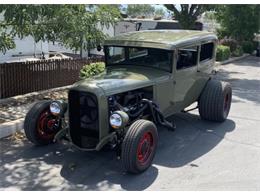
24, 77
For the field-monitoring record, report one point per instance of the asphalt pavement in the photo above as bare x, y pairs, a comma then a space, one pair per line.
199, 155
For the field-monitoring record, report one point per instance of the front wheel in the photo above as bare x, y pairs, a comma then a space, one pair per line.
40, 126
139, 146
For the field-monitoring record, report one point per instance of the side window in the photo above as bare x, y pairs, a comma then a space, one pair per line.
116, 54
206, 52
187, 57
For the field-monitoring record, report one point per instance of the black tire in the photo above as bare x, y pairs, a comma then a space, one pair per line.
139, 146
36, 124
215, 101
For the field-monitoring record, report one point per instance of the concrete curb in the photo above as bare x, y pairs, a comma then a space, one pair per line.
232, 59
8, 128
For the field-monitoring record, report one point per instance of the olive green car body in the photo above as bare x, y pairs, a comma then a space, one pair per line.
172, 91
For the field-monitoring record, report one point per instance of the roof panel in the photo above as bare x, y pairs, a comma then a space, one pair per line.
167, 39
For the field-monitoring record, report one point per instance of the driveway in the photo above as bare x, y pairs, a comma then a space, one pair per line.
199, 155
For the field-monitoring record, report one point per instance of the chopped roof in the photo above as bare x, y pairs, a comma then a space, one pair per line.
165, 39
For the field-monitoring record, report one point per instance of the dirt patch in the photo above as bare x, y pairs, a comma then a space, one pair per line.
17, 108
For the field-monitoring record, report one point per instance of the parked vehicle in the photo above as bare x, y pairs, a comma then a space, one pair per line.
149, 76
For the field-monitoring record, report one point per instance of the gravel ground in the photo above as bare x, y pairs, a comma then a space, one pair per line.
18, 108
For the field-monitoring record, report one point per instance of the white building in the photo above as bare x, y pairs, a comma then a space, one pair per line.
25, 48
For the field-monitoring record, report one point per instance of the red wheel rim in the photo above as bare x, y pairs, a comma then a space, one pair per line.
226, 103
145, 148
48, 125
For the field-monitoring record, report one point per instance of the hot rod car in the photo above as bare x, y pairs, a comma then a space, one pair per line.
149, 76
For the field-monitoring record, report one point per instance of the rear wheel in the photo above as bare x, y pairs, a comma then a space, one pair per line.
215, 101
139, 146
40, 125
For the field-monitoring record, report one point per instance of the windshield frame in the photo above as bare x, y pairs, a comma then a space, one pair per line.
106, 51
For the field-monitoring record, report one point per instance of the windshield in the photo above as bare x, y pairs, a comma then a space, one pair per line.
139, 56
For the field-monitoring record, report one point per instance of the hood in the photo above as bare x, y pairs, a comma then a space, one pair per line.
123, 78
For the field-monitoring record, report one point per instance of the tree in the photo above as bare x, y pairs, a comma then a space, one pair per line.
159, 12
6, 42
6, 34
72, 25
134, 10
239, 21
188, 13
81, 29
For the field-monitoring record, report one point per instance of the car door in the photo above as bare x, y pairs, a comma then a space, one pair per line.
206, 59
185, 77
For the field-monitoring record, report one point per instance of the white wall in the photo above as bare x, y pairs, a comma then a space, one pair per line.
124, 26
59, 48
25, 48
146, 25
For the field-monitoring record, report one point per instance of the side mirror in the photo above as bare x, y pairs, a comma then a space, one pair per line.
99, 48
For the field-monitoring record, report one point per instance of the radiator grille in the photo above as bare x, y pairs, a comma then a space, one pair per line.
83, 118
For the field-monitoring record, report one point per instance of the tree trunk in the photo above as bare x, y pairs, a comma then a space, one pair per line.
81, 52
81, 46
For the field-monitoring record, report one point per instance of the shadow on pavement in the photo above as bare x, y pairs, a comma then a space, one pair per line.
248, 61
245, 89
38, 168
245, 86
192, 139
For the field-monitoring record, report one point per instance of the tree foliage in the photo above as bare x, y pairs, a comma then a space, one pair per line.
134, 10
159, 12
188, 13
6, 42
76, 26
239, 21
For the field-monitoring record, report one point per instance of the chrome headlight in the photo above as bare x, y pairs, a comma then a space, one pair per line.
118, 119
58, 107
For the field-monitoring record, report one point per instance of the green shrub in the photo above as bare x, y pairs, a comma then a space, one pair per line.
238, 52
92, 69
223, 53
248, 47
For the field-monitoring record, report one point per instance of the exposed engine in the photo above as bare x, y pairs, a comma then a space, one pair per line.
129, 102
138, 104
